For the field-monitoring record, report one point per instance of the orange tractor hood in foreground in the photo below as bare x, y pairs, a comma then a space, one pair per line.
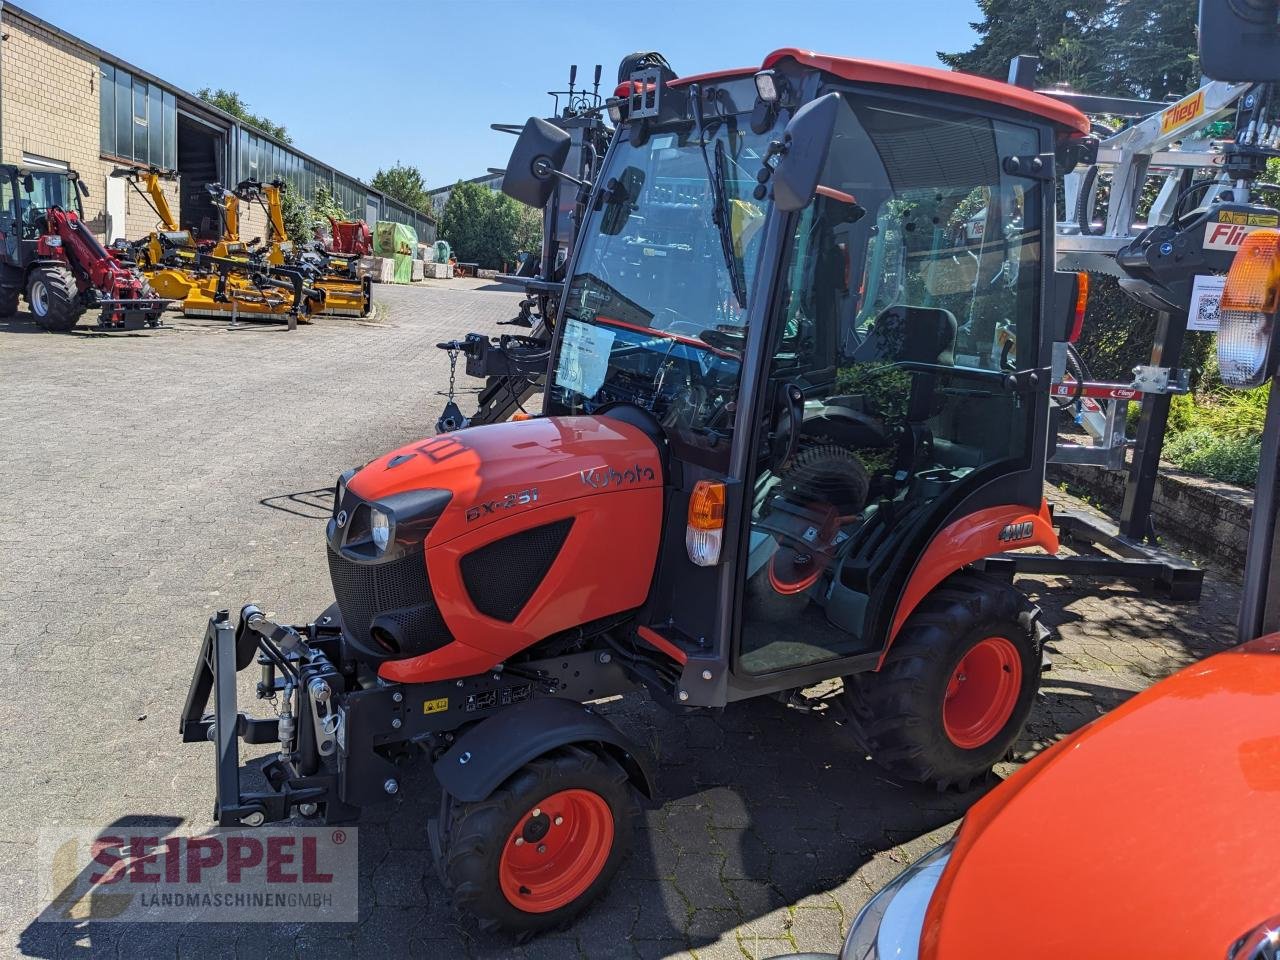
1152, 831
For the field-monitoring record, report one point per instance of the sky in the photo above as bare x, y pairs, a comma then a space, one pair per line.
362, 84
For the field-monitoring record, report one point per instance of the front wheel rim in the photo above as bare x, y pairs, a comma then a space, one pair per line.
556, 851
982, 692
39, 298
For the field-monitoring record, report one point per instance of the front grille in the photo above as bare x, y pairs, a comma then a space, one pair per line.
501, 576
398, 590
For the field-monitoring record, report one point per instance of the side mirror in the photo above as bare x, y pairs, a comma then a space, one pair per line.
1239, 40
537, 157
805, 143
620, 197
29, 183
80, 187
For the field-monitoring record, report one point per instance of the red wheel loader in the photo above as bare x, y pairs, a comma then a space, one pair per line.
48, 254
781, 424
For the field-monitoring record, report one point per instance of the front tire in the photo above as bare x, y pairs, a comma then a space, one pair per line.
541, 847
957, 685
53, 299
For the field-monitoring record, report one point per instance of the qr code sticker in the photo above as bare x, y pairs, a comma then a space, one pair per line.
1207, 309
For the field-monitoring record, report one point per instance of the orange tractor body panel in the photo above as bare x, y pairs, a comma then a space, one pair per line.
1151, 829
507, 478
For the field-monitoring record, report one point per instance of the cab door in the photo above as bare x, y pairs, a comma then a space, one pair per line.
892, 390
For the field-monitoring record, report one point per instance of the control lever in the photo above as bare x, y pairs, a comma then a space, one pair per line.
286, 638
786, 433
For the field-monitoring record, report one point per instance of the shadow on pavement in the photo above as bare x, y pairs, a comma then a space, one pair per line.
764, 807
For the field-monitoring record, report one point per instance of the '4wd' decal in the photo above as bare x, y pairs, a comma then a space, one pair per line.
1017, 531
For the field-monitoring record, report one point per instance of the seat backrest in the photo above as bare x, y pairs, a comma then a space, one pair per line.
901, 332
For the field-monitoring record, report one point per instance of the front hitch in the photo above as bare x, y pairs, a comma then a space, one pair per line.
293, 669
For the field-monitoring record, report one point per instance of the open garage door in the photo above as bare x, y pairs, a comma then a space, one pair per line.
201, 153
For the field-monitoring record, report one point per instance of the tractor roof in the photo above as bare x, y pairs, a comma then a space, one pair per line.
920, 78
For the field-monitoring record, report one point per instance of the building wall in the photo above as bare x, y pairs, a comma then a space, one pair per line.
50, 109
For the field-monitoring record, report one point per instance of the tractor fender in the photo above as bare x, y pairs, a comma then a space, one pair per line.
495, 748
981, 534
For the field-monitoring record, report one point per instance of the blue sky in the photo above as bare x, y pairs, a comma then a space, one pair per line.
363, 83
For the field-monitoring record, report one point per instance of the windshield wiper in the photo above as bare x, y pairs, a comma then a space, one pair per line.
719, 205
723, 219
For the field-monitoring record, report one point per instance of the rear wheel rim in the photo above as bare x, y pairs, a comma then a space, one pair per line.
39, 298
982, 692
556, 851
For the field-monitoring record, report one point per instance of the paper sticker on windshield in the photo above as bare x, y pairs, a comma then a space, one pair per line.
584, 357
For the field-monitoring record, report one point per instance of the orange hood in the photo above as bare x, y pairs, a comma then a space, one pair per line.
503, 469
1152, 831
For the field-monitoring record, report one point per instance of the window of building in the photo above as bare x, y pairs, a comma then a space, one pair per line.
137, 119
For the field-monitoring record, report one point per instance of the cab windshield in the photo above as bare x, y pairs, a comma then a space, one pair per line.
652, 315
37, 192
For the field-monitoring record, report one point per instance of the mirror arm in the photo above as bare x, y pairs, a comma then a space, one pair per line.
580, 184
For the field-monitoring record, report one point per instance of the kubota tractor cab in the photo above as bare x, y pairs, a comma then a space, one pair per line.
782, 420
48, 253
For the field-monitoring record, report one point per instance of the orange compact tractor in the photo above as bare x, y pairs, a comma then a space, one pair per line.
798, 388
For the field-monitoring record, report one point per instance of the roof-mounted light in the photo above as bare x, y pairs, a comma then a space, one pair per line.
768, 86
615, 111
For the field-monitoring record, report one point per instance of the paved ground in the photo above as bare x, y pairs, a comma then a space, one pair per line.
152, 478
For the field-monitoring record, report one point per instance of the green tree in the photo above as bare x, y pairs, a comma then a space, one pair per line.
1139, 48
1064, 34
1150, 48
231, 102
487, 227
404, 183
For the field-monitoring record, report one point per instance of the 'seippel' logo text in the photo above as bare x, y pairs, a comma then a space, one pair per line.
271, 875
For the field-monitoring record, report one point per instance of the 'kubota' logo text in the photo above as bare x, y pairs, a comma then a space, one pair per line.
600, 477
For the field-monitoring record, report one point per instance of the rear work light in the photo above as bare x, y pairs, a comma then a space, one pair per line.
1082, 305
1247, 311
705, 534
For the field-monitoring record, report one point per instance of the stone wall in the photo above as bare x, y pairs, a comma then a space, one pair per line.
1211, 518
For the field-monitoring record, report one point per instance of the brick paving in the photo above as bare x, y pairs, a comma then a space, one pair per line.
152, 478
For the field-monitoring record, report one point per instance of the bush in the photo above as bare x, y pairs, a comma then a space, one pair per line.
1230, 459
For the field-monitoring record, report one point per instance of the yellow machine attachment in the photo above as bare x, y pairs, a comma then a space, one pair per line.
346, 293
168, 245
226, 281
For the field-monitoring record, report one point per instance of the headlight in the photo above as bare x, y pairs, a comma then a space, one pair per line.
339, 493
888, 927
380, 528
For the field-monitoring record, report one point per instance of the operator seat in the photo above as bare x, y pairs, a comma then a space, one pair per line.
904, 333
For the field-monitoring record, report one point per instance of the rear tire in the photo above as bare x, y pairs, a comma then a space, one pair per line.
957, 685
508, 885
53, 299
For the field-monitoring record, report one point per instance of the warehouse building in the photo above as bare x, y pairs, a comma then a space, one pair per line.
64, 103
440, 195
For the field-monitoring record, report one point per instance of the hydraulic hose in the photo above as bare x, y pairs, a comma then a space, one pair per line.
1084, 210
